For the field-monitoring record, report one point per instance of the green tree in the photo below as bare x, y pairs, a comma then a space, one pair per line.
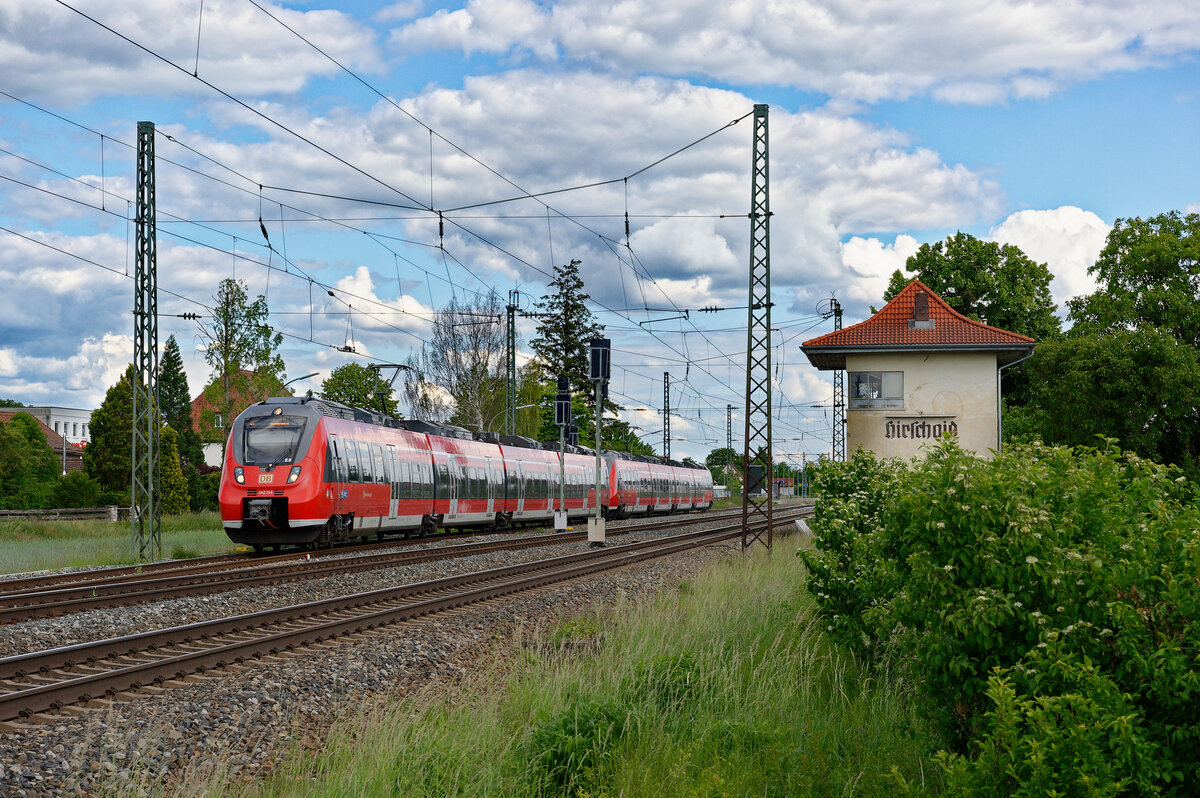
176, 399
1148, 275
225, 397
28, 467
358, 386
10, 403
239, 338
1141, 387
1130, 367
174, 498
108, 455
173, 394
565, 326
985, 280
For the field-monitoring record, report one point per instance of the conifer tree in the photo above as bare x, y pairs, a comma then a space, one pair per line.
564, 328
172, 483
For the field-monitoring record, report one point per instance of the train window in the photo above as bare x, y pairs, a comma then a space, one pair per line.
377, 459
364, 462
352, 474
272, 440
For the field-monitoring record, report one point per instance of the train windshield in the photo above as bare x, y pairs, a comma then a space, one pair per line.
272, 440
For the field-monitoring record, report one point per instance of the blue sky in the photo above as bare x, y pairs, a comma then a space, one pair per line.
892, 125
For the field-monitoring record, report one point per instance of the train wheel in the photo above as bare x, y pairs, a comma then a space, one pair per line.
258, 548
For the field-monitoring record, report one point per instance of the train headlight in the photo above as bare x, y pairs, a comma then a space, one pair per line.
239, 475
293, 475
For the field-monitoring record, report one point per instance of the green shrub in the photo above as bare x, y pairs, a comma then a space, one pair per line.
986, 566
76, 489
853, 571
568, 752
1081, 736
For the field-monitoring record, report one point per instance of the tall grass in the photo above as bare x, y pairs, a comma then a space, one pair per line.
42, 545
723, 687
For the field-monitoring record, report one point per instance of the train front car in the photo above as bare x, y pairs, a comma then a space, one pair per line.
272, 491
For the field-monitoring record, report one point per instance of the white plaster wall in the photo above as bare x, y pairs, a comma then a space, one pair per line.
939, 388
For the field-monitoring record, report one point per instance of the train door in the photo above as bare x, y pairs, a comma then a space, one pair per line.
490, 494
393, 472
338, 475
520, 488
452, 484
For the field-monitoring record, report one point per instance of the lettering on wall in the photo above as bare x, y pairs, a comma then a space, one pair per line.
920, 430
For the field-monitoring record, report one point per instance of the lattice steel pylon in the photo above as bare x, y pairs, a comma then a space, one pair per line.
839, 397
510, 366
145, 513
666, 415
757, 447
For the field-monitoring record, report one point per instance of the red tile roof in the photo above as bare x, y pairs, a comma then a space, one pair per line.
890, 330
53, 439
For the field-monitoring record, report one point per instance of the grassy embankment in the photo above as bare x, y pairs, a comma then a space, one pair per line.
725, 686
40, 545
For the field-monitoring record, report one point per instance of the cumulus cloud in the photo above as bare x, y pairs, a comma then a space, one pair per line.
980, 51
869, 265
1067, 239
55, 54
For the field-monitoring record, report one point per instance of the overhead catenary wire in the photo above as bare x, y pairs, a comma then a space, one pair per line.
634, 260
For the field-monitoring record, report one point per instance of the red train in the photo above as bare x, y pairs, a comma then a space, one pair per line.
311, 472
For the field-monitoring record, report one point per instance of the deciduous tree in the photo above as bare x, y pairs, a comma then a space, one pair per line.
1149, 276
28, 467
358, 386
239, 338
458, 375
984, 279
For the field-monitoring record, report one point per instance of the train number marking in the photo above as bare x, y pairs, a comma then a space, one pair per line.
266, 478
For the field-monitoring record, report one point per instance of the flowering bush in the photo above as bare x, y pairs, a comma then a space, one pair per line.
1042, 590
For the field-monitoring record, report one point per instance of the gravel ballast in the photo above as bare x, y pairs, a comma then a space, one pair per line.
249, 719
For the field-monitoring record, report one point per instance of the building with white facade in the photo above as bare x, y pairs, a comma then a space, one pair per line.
74, 425
918, 371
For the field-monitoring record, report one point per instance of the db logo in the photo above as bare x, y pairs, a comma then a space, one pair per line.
266, 478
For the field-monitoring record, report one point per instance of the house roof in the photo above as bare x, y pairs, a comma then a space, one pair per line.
53, 439
894, 329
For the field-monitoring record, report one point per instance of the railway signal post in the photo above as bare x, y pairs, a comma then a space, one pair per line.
599, 349
562, 417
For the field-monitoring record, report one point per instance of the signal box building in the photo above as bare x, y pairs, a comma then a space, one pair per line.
918, 371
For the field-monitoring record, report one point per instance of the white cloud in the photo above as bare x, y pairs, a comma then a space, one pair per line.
969, 51
1067, 239
52, 53
870, 263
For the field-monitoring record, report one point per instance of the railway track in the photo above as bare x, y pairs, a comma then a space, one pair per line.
47, 680
216, 562
43, 598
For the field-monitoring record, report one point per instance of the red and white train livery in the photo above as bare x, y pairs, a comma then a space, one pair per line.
311, 472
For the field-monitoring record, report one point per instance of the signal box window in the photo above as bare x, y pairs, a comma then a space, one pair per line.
870, 389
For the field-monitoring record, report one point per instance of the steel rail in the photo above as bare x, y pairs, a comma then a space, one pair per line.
257, 633
114, 593
101, 576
